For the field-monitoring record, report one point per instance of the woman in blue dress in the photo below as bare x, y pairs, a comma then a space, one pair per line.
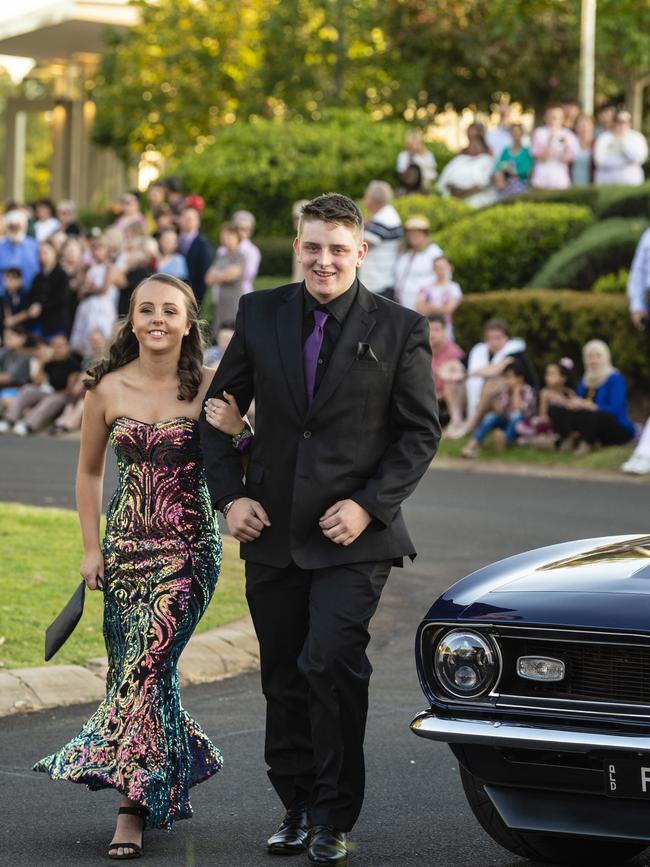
158, 564
598, 413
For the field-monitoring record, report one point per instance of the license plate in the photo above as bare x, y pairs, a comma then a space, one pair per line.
627, 778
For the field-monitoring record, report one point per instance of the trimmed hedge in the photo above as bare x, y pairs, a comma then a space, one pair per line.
601, 249
505, 246
612, 284
277, 254
605, 202
440, 212
266, 165
555, 323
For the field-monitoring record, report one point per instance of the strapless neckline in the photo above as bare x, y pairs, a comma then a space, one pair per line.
163, 421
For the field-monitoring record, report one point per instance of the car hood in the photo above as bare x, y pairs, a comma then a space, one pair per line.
598, 583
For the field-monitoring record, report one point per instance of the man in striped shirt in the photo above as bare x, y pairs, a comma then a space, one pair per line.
383, 233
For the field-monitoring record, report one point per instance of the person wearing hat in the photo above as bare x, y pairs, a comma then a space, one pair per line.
415, 264
18, 250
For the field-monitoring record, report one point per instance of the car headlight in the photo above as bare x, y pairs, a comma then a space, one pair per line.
466, 663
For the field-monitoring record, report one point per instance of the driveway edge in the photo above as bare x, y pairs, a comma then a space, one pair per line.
214, 655
520, 468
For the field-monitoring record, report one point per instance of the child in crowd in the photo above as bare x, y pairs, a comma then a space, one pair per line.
13, 299
213, 354
558, 381
513, 403
14, 362
442, 296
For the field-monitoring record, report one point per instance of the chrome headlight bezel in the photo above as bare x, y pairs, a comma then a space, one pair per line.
478, 652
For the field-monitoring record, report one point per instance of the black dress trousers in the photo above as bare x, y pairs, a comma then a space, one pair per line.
313, 632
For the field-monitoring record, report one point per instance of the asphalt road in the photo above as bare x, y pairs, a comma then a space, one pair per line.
414, 813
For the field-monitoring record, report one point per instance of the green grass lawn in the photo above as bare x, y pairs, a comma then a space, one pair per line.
40, 552
609, 458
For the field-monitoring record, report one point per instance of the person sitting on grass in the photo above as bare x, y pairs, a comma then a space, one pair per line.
39, 403
639, 461
445, 364
557, 390
483, 381
598, 415
513, 403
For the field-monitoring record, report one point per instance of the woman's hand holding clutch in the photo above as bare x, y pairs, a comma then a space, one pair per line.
92, 569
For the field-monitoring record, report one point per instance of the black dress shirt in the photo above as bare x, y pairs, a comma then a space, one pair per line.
338, 309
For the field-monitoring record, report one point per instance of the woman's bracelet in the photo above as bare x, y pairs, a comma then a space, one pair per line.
243, 439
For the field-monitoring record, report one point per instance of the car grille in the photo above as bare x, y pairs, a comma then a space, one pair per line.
594, 671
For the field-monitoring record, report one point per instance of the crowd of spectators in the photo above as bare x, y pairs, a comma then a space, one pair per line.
62, 288
569, 149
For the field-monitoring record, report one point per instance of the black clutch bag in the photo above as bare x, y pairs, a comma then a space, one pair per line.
63, 626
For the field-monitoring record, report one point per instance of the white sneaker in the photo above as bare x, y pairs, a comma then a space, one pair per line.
637, 465
5, 427
21, 429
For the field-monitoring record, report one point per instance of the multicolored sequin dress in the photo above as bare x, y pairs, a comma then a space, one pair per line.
162, 555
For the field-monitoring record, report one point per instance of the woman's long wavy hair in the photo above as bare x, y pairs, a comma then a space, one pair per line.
124, 347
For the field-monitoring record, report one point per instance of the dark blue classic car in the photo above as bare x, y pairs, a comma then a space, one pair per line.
537, 673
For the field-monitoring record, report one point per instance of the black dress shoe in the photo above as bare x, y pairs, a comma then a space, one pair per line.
327, 846
291, 836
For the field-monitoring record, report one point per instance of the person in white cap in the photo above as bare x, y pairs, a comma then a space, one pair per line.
18, 250
415, 265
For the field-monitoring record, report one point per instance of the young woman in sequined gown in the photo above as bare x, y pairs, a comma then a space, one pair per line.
158, 564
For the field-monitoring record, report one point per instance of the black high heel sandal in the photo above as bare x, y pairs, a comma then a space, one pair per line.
136, 850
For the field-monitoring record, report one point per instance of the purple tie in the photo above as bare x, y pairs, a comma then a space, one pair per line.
311, 351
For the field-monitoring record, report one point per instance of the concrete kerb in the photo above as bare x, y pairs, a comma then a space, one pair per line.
540, 471
214, 655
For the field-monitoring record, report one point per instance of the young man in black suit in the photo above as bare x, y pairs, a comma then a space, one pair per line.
346, 425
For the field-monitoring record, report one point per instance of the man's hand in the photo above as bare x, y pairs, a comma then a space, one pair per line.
343, 522
639, 319
246, 519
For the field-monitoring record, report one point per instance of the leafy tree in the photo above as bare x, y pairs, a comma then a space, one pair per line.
467, 53
188, 67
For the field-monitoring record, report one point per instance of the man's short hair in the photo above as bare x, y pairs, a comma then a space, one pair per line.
14, 272
497, 324
380, 191
333, 208
436, 317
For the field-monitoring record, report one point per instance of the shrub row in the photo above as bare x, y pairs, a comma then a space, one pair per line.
266, 165
277, 255
559, 323
505, 246
601, 249
612, 284
440, 212
605, 202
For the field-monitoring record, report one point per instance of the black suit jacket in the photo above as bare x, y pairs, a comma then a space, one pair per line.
199, 258
369, 435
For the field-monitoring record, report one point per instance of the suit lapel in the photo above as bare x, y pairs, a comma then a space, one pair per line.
356, 329
289, 331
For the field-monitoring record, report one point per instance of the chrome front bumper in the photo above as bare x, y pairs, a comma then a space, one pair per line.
522, 735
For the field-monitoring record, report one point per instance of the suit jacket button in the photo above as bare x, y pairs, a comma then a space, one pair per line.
306, 434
